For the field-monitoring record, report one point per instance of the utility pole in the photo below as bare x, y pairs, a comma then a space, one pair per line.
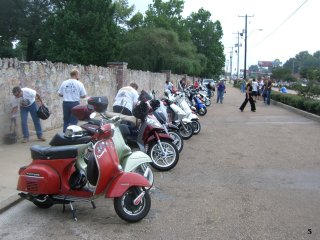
238, 55
245, 45
231, 56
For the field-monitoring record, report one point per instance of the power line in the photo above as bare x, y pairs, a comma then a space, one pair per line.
281, 24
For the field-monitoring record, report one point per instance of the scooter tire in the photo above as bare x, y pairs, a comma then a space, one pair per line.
186, 135
127, 210
208, 102
154, 151
202, 111
177, 139
196, 126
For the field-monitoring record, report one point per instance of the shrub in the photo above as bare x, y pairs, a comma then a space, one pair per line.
300, 102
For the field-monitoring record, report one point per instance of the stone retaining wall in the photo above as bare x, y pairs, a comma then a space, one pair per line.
46, 77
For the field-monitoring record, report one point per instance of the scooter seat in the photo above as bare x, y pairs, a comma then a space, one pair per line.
46, 153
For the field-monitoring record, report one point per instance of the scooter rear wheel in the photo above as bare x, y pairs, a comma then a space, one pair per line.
163, 160
127, 210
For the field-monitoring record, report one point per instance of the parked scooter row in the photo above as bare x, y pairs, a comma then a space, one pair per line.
96, 158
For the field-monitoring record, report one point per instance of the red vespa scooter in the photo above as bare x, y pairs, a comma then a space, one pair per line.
54, 177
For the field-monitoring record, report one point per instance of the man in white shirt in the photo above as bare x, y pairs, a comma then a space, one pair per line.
255, 86
126, 99
71, 90
27, 100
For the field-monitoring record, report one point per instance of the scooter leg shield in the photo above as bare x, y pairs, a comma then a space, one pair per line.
134, 160
125, 181
39, 179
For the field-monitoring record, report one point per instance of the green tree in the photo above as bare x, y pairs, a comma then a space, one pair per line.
206, 36
156, 49
281, 73
83, 32
167, 15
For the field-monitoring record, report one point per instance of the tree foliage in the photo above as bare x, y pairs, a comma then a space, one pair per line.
83, 32
157, 49
206, 36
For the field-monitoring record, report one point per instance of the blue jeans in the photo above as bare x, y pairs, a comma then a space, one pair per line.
220, 96
209, 92
68, 117
268, 96
24, 120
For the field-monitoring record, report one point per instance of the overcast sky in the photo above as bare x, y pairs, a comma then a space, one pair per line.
282, 36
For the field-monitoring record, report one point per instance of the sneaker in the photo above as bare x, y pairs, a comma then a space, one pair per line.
25, 140
41, 139
253, 110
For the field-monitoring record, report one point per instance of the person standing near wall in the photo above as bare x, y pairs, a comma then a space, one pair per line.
71, 90
27, 98
248, 98
126, 99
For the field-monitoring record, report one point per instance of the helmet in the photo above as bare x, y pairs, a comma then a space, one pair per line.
73, 131
141, 110
78, 179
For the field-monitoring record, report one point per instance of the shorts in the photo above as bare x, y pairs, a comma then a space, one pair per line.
254, 93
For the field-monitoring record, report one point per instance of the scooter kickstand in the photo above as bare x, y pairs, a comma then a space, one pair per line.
73, 210
63, 208
93, 205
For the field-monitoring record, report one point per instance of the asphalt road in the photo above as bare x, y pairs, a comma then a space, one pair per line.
245, 176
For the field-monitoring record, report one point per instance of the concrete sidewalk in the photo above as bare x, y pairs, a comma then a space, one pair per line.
17, 155
12, 158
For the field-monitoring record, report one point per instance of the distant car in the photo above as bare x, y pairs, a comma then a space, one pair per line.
212, 83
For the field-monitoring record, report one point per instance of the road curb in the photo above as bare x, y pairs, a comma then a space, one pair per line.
298, 111
9, 202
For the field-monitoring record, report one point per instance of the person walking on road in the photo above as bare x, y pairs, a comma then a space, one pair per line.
255, 87
248, 98
220, 91
27, 98
71, 90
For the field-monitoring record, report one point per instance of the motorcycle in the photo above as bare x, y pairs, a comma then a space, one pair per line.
181, 101
55, 177
171, 129
150, 137
130, 161
178, 117
200, 107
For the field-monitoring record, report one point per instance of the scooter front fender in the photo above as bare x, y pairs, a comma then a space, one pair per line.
186, 120
134, 160
123, 182
161, 136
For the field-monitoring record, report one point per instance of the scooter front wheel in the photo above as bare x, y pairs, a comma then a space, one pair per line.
164, 157
196, 126
128, 210
208, 102
186, 130
202, 111
177, 140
